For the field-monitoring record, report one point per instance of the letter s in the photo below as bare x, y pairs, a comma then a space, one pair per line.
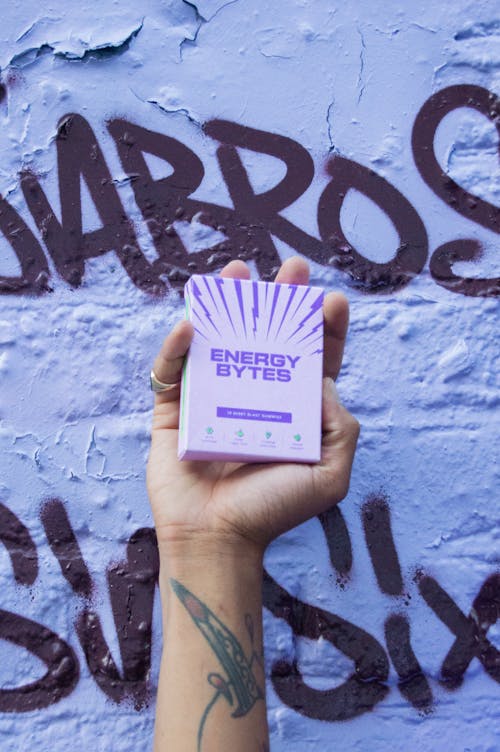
283, 374
469, 206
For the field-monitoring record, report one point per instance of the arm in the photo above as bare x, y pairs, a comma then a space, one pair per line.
214, 521
212, 685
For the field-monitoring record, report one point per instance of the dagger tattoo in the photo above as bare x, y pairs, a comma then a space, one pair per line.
238, 686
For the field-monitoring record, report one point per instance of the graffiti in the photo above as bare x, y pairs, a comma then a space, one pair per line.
132, 583
255, 218
131, 586
61, 662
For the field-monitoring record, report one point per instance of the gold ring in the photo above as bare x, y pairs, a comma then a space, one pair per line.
159, 386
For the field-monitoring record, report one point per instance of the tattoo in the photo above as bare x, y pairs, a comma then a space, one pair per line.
239, 684
250, 630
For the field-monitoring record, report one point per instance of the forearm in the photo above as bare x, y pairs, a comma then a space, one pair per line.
211, 693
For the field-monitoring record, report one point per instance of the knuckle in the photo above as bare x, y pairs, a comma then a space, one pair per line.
356, 427
349, 427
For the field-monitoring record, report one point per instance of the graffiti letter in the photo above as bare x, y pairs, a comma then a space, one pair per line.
381, 547
259, 213
338, 541
79, 155
470, 631
367, 275
378, 534
163, 201
62, 665
360, 693
472, 207
131, 586
65, 547
34, 268
412, 683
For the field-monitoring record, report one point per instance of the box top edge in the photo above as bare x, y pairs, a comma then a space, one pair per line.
251, 281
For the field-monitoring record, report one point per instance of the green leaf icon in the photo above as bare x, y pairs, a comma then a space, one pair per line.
240, 433
297, 437
210, 429
268, 434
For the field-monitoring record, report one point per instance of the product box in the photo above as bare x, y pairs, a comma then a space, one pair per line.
251, 384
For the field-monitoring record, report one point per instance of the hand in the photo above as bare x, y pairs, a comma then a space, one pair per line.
247, 504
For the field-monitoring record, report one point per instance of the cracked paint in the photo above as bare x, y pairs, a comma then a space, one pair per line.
169, 102
204, 13
329, 122
362, 52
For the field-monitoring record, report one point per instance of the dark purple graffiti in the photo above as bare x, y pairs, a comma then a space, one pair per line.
378, 534
59, 658
79, 156
470, 631
132, 584
472, 207
365, 275
65, 548
412, 683
62, 673
358, 694
338, 542
20, 546
254, 220
366, 687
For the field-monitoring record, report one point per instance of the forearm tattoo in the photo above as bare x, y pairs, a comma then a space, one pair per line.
237, 684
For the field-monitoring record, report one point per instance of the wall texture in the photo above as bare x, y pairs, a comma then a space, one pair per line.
142, 141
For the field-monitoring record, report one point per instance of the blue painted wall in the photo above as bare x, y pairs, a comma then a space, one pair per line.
382, 120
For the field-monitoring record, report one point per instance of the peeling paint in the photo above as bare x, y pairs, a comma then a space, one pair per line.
204, 13
80, 52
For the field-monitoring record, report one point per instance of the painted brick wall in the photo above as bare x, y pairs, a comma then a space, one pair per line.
381, 121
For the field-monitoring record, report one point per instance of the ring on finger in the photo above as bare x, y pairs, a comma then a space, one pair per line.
160, 386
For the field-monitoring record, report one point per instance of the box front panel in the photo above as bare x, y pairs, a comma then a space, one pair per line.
255, 368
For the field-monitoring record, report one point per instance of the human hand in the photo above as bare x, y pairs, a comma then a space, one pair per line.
247, 505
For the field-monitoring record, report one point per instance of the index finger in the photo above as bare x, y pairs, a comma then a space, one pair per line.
169, 361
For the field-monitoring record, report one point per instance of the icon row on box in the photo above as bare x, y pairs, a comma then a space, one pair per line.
241, 435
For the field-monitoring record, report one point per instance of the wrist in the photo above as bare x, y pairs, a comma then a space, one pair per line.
206, 558
207, 546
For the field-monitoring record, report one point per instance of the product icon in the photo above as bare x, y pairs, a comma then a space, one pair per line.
268, 434
239, 433
209, 429
297, 437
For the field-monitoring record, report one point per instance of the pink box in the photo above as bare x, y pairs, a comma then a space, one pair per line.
251, 384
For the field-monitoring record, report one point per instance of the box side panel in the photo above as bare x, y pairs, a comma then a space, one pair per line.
185, 383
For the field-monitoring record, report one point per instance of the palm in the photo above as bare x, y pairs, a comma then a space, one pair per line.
251, 500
